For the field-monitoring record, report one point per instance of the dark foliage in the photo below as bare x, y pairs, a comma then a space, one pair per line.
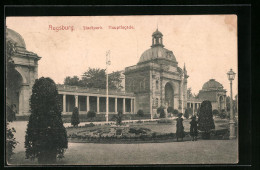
170, 109
205, 117
46, 137
175, 112
223, 114
140, 113
75, 117
11, 113
187, 113
160, 110
215, 112
91, 114
10, 142
118, 118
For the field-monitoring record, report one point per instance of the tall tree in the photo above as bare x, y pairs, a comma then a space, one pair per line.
46, 137
72, 81
94, 78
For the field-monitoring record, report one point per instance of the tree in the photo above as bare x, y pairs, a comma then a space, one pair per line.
205, 118
119, 117
75, 117
91, 114
46, 137
175, 112
72, 81
160, 111
170, 109
10, 112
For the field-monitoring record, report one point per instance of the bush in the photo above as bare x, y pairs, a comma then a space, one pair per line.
75, 117
140, 113
89, 125
175, 112
205, 117
160, 111
10, 142
46, 137
91, 114
11, 112
223, 114
118, 118
170, 109
187, 113
215, 112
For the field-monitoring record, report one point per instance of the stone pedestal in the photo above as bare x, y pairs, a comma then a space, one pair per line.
232, 134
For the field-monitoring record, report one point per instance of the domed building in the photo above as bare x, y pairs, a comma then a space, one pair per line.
157, 80
25, 72
214, 92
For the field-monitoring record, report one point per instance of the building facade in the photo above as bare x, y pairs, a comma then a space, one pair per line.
156, 80
26, 71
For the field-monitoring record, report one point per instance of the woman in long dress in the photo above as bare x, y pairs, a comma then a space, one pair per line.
179, 128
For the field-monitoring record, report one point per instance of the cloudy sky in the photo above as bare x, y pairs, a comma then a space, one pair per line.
207, 44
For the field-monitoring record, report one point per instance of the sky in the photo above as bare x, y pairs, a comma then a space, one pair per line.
207, 44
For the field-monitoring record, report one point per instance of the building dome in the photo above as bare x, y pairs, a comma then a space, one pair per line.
212, 84
15, 37
157, 52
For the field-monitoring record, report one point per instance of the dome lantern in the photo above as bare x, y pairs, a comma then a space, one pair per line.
157, 39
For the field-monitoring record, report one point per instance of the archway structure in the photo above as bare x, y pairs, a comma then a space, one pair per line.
26, 66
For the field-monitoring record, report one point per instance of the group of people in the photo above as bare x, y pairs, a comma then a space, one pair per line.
180, 128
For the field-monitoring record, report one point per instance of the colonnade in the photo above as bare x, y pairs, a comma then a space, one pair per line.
127, 104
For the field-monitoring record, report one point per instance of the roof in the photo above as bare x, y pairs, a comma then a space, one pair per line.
15, 38
157, 52
212, 84
157, 33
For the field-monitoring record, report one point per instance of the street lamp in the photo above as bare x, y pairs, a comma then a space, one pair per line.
108, 62
231, 77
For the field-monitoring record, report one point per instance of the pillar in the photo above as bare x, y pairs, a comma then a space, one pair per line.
24, 98
193, 106
76, 101
115, 105
123, 105
64, 103
88, 106
97, 104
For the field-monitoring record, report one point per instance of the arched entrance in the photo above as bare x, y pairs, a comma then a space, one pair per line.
169, 95
13, 90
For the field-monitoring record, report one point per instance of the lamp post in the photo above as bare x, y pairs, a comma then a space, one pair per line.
231, 77
108, 62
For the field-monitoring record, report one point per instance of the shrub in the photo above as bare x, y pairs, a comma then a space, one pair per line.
160, 111
10, 142
46, 137
11, 112
187, 113
140, 113
89, 125
205, 118
215, 112
91, 114
75, 117
118, 118
170, 109
175, 112
223, 114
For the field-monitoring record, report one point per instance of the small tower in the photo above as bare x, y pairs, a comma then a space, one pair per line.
157, 39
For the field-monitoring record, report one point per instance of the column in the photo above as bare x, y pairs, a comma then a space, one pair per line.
134, 105
193, 106
76, 101
88, 106
131, 110
115, 105
123, 105
225, 103
64, 103
97, 104
24, 98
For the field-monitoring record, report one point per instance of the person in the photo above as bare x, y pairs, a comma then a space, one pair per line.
179, 127
194, 128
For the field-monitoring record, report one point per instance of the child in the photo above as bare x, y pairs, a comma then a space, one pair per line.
193, 128
179, 127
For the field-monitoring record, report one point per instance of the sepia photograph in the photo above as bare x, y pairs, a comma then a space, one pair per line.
121, 90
